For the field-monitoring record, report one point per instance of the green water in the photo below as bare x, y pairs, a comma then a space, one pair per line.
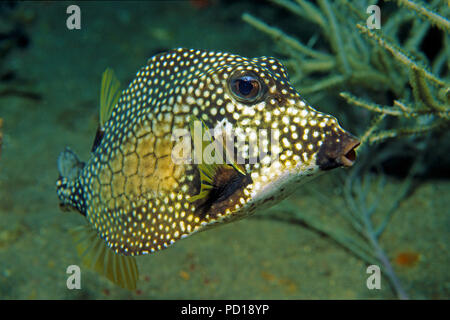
255, 258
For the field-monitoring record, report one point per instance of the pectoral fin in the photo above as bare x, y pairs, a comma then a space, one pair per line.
218, 180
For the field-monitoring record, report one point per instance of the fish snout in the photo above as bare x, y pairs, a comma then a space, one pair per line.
337, 150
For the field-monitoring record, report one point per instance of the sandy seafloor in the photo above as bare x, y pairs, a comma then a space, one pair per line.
249, 259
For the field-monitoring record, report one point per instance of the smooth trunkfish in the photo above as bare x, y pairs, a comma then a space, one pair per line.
138, 198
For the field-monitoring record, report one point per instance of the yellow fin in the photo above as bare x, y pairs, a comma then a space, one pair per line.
207, 169
120, 269
109, 95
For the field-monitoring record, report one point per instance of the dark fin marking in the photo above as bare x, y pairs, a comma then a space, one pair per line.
98, 138
226, 182
217, 181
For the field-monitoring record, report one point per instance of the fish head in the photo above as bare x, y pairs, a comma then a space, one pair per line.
285, 140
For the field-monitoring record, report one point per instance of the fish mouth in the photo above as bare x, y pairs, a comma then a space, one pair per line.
348, 156
337, 151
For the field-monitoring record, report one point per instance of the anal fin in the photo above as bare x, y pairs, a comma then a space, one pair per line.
120, 269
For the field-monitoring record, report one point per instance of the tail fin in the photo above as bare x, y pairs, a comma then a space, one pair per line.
93, 250
67, 186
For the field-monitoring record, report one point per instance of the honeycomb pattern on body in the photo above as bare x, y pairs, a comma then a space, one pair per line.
137, 197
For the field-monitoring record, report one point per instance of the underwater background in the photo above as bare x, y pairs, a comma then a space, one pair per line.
391, 89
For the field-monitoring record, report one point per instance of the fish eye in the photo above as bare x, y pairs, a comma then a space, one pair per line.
245, 87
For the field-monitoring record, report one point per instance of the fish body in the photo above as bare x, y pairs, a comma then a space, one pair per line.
140, 198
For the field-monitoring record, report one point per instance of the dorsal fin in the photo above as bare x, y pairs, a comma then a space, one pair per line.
109, 95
